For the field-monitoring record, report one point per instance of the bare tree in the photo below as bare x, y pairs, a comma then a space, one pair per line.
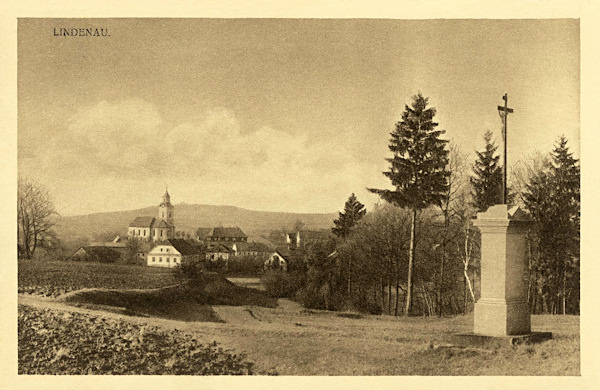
453, 202
467, 246
523, 171
35, 213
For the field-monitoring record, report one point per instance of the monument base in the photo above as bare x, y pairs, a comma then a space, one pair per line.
484, 341
496, 317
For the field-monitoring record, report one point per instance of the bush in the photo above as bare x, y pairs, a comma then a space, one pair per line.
246, 265
188, 271
280, 284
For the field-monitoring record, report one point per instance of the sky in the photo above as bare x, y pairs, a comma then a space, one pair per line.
274, 114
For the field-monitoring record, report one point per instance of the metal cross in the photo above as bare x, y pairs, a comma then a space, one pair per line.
504, 111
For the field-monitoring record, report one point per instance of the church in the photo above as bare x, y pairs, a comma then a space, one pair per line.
155, 229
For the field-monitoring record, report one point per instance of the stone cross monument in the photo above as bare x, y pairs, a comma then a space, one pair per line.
502, 312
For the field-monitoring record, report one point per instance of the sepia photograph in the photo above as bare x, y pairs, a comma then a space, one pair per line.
309, 196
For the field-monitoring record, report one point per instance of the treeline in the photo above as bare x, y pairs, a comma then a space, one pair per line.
418, 253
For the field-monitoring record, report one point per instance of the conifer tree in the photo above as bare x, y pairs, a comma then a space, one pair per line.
418, 170
353, 212
487, 182
552, 196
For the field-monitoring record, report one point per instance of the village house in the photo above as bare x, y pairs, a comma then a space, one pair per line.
174, 252
222, 234
277, 261
217, 251
250, 249
97, 254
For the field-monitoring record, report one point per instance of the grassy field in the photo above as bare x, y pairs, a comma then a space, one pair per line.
52, 278
290, 340
185, 302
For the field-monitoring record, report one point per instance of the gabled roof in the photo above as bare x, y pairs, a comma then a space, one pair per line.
163, 224
283, 251
252, 247
221, 232
218, 247
203, 232
145, 246
143, 222
184, 246
101, 253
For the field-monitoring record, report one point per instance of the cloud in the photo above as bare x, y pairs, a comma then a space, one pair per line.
210, 158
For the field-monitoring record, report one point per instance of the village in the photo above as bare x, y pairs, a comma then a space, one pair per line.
157, 243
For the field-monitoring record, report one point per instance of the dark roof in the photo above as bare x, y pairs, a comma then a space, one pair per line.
283, 251
142, 222
203, 232
145, 246
252, 247
101, 253
261, 240
185, 247
217, 247
220, 232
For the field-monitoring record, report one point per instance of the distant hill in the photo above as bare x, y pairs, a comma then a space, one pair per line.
100, 226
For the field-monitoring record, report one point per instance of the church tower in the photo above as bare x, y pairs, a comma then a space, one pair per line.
165, 210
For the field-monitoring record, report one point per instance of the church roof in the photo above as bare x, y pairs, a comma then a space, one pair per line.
221, 232
143, 222
163, 224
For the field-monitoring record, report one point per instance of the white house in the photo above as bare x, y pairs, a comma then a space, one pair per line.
276, 261
172, 253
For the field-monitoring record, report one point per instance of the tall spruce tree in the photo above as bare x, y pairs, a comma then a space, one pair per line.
487, 181
418, 170
353, 212
552, 197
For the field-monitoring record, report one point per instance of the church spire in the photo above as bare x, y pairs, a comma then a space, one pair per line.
166, 196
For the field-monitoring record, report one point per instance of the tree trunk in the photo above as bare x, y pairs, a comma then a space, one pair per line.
389, 297
411, 263
349, 277
382, 295
441, 282
397, 298
564, 293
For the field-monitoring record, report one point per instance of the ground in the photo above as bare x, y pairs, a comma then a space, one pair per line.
291, 340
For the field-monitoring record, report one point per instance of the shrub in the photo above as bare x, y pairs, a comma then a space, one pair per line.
280, 284
188, 271
246, 265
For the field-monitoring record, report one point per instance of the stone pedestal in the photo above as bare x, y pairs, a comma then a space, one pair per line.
503, 311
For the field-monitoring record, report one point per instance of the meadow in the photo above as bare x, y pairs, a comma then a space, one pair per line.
52, 278
277, 336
